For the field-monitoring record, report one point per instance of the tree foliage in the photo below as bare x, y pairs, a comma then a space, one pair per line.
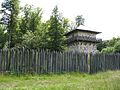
101, 45
26, 28
110, 46
31, 19
108, 50
10, 10
117, 47
2, 37
56, 31
37, 39
79, 20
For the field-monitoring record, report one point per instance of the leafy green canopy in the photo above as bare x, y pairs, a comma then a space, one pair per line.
25, 28
56, 31
10, 9
110, 46
2, 37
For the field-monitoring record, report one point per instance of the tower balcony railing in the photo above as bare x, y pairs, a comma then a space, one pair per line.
83, 38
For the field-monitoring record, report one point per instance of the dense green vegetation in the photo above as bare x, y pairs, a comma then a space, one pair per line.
109, 46
70, 81
25, 27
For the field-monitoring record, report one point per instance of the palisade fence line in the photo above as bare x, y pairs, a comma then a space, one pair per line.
104, 62
40, 61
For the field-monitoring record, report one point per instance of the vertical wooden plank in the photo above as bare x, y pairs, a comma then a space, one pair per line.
36, 66
0, 60
34, 61
3, 63
15, 61
78, 58
73, 61
63, 55
56, 61
20, 58
102, 62
98, 63
60, 62
95, 63
47, 61
38, 62
3, 60
91, 68
118, 61
82, 62
105, 61
18, 61
70, 61
30, 61
51, 62
44, 60
41, 62
66, 61
118, 57
25, 61
86, 63
94, 67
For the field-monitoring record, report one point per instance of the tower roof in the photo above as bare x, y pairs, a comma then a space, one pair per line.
83, 29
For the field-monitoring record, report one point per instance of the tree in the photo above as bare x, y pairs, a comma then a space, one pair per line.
10, 9
117, 47
56, 32
24, 24
32, 28
108, 50
31, 19
37, 39
2, 37
109, 45
101, 45
79, 20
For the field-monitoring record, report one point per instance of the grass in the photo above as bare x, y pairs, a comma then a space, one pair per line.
70, 81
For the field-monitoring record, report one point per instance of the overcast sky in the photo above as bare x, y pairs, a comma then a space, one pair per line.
101, 15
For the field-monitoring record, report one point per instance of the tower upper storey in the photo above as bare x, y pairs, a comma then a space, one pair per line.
82, 33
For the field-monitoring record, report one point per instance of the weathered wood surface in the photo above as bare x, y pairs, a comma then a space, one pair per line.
42, 61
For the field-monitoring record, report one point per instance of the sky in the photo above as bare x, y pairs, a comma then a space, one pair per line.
100, 15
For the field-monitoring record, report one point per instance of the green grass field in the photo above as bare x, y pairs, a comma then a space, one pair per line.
70, 81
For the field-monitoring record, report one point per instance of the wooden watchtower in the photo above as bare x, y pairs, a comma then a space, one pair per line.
82, 39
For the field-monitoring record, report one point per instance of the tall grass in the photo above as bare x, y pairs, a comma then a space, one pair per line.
70, 81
